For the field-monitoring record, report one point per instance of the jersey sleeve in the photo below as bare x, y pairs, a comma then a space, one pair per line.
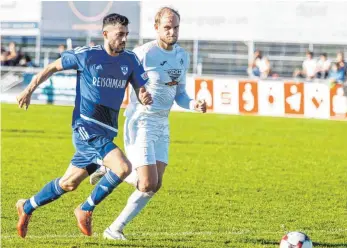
138, 77
182, 99
186, 65
139, 51
73, 59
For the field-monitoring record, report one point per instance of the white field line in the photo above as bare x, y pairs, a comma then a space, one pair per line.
154, 234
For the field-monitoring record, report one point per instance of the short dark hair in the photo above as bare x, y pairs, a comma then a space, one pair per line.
324, 55
114, 19
310, 53
163, 11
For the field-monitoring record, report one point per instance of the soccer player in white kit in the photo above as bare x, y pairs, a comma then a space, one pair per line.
146, 128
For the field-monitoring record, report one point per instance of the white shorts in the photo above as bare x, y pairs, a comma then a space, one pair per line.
146, 139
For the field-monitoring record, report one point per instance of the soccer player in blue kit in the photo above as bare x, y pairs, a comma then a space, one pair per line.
102, 76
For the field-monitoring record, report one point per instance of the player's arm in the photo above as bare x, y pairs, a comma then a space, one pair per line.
138, 79
184, 101
24, 97
143, 96
182, 98
70, 59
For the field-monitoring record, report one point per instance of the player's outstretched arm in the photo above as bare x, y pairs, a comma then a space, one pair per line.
24, 97
200, 106
184, 101
144, 96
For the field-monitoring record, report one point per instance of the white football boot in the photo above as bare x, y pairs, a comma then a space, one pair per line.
117, 235
97, 175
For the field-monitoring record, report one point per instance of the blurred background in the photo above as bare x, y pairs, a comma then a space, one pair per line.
279, 40
233, 180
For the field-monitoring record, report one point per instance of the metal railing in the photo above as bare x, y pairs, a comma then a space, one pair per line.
221, 57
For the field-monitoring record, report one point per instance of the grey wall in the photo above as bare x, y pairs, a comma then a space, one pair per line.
80, 19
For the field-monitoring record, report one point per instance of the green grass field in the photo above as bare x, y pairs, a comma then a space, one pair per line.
233, 181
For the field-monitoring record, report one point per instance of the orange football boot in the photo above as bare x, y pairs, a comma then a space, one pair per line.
22, 225
84, 220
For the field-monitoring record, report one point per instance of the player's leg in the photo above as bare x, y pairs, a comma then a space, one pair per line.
119, 168
161, 166
162, 155
146, 185
149, 180
72, 178
144, 176
97, 175
49, 193
100, 172
136, 202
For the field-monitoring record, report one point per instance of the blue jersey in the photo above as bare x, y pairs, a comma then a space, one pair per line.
101, 83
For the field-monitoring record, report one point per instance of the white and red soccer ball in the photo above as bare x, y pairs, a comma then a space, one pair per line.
296, 240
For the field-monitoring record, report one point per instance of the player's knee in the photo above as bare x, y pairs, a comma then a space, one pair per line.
123, 169
68, 185
147, 185
126, 168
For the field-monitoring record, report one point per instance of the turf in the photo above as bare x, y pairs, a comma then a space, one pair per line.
233, 181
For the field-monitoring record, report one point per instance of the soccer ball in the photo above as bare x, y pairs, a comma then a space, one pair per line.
296, 240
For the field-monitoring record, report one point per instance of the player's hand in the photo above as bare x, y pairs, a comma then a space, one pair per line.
145, 97
200, 106
23, 99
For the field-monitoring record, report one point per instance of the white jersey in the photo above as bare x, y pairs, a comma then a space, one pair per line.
165, 70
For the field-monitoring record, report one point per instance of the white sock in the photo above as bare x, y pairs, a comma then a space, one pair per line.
104, 168
136, 202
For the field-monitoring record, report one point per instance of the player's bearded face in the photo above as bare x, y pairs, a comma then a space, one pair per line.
168, 28
117, 37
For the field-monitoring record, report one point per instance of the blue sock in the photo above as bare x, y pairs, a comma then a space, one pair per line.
105, 186
50, 192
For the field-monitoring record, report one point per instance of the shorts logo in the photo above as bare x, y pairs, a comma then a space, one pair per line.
144, 76
124, 69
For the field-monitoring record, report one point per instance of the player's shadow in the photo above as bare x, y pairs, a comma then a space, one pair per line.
120, 244
186, 239
315, 244
329, 245
101, 243
261, 241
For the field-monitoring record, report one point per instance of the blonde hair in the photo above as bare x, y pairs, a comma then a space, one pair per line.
163, 11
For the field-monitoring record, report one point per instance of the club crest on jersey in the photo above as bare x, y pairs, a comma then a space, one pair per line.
124, 69
181, 61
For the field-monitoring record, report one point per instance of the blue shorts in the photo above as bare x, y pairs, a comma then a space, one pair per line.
89, 150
